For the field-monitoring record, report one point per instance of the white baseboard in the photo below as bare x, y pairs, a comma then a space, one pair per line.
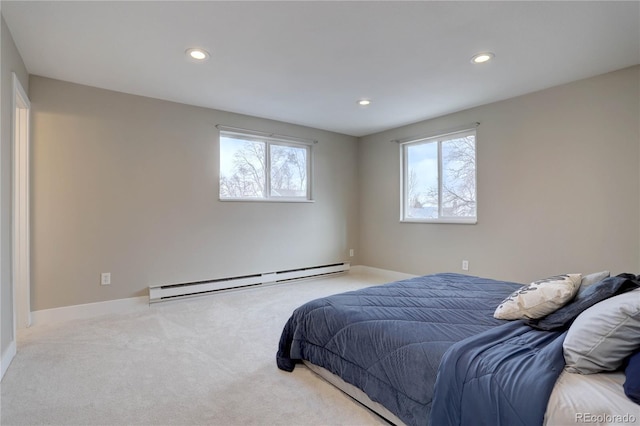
7, 357
89, 310
384, 273
133, 304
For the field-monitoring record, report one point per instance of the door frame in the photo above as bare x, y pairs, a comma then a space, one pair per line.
21, 214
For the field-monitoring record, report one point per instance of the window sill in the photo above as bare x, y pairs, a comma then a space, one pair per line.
450, 221
266, 200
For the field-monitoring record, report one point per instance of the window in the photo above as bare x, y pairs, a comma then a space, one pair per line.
263, 167
439, 178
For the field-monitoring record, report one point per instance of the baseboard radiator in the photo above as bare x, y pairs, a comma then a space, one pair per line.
160, 293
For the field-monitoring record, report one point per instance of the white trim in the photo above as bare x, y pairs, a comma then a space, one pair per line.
20, 217
446, 220
440, 179
90, 310
2, 361
268, 200
383, 273
7, 357
403, 185
438, 134
281, 138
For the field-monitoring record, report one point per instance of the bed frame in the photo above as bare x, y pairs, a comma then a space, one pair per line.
354, 393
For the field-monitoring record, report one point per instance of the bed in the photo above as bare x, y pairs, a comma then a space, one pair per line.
428, 350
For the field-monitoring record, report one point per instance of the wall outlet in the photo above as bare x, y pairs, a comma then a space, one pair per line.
105, 278
465, 265
351, 252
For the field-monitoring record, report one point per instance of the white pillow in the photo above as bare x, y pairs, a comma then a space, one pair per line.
539, 298
604, 335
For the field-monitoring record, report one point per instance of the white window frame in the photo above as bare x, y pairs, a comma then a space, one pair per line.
270, 139
439, 139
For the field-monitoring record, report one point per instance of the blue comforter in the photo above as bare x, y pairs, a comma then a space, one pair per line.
502, 377
389, 340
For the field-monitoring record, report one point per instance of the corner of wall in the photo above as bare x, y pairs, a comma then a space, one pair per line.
10, 62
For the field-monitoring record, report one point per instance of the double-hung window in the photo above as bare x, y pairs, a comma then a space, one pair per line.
439, 178
256, 166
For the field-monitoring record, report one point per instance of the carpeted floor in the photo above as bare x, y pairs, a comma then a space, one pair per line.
204, 361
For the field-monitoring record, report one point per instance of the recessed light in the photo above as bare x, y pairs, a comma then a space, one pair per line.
197, 54
364, 102
481, 58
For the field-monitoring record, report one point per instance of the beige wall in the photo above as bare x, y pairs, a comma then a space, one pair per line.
11, 62
129, 185
558, 187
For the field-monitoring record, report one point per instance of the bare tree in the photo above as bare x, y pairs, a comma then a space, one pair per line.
248, 179
419, 197
458, 181
459, 177
288, 171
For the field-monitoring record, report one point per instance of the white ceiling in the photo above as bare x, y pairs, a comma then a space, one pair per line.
308, 62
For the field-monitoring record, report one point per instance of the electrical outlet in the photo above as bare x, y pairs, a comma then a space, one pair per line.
465, 265
105, 278
351, 252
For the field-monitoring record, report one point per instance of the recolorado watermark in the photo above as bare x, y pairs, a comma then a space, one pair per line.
605, 418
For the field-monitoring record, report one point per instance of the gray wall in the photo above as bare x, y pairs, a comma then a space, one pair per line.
129, 185
11, 62
558, 187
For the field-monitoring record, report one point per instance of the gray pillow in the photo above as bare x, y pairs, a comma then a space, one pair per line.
591, 279
604, 335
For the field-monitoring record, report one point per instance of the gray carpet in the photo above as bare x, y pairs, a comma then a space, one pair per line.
204, 361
